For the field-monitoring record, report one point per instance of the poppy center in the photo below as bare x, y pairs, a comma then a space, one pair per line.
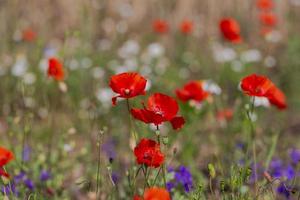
127, 91
147, 156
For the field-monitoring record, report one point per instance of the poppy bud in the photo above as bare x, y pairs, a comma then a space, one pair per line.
157, 133
165, 140
212, 171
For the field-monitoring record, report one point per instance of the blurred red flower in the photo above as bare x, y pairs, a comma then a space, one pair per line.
5, 157
28, 35
148, 152
268, 18
277, 98
225, 114
256, 85
230, 29
137, 197
127, 85
187, 27
193, 90
155, 193
55, 69
265, 4
160, 108
160, 26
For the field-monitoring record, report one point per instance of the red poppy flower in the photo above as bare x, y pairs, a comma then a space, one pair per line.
256, 85
160, 26
225, 114
55, 69
137, 197
186, 27
230, 30
28, 35
265, 4
148, 152
160, 108
277, 98
261, 86
127, 85
268, 18
193, 90
5, 157
156, 193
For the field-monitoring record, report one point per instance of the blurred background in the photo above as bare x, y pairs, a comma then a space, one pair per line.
62, 125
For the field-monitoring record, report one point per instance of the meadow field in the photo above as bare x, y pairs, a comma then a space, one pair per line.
150, 100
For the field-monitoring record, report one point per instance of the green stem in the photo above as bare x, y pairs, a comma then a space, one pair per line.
131, 122
253, 139
156, 176
272, 150
163, 165
98, 166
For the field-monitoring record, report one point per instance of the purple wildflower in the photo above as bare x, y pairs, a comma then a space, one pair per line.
29, 184
109, 148
282, 190
276, 167
170, 169
9, 189
115, 178
26, 153
45, 175
240, 146
170, 185
183, 177
289, 172
295, 155
257, 171
278, 170
19, 177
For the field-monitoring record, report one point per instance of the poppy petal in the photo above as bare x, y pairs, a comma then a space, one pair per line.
177, 122
277, 98
114, 100
147, 116
164, 105
128, 84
